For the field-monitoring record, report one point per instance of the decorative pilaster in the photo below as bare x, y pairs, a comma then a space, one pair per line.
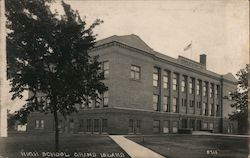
194, 93
187, 93
208, 99
171, 91
201, 94
178, 92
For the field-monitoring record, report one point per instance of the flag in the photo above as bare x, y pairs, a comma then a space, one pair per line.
188, 47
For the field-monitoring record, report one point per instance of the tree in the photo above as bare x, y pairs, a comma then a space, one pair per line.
240, 97
48, 55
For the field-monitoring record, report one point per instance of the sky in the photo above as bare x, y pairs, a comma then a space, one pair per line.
218, 28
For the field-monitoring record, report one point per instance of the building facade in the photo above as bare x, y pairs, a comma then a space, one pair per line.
149, 93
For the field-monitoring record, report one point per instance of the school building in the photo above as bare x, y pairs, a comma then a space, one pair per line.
149, 93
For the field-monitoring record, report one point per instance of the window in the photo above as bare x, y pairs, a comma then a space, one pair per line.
205, 89
217, 110
174, 104
165, 103
209, 109
175, 84
81, 124
39, 124
191, 86
156, 76
138, 125
104, 125
198, 105
97, 100
175, 127
89, 125
217, 91
212, 109
230, 95
156, 126
204, 108
211, 90
42, 123
165, 78
135, 72
166, 126
91, 103
88, 103
105, 99
205, 125
192, 124
191, 103
131, 126
60, 124
184, 123
96, 125
198, 89
106, 69
183, 102
183, 85
211, 126
155, 102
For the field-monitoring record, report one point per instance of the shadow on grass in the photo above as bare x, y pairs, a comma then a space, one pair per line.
74, 145
190, 146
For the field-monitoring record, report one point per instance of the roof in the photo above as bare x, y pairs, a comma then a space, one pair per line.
229, 76
135, 41
130, 40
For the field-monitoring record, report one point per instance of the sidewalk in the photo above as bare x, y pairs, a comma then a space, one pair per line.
133, 149
219, 134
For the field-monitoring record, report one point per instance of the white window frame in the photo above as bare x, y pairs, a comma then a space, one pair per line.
135, 72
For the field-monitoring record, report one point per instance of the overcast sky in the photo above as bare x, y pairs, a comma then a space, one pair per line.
218, 28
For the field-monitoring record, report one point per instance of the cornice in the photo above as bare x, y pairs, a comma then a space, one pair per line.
179, 65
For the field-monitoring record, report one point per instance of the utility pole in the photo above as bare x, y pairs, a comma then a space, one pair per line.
3, 72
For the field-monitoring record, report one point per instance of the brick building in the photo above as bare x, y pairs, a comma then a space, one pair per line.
150, 93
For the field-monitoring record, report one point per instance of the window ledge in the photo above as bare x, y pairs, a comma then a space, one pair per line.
131, 79
39, 128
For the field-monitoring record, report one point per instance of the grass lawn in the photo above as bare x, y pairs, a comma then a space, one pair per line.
191, 146
75, 145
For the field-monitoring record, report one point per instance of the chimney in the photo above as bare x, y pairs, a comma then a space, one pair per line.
203, 59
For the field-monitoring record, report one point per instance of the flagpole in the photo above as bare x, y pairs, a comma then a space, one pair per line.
190, 48
3, 72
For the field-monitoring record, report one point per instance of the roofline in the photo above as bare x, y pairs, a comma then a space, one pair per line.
229, 81
218, 77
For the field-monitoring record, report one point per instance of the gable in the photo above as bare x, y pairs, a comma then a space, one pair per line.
129, 40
